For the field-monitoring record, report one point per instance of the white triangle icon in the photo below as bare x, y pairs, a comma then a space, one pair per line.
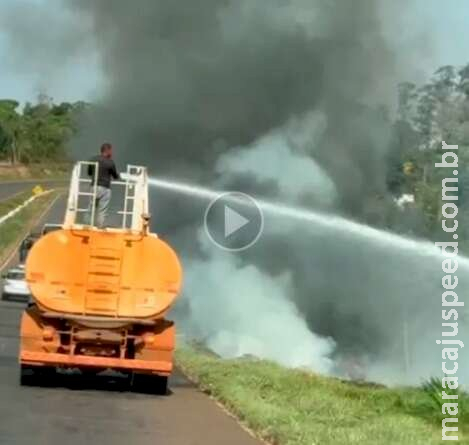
233, 221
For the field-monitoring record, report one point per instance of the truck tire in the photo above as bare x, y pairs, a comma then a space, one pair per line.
28, 375
37, 375
47, 376
161, 385
150, 384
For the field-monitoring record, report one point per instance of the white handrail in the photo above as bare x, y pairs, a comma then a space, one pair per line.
135, 206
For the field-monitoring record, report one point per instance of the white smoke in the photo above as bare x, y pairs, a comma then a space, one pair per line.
239, 310
284, 156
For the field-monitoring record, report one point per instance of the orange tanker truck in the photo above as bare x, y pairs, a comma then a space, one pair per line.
101, 295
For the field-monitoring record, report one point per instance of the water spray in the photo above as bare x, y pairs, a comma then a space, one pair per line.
327, 221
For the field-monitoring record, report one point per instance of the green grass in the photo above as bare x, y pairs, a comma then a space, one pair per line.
52, 171
292, 407
14, 201
17, 226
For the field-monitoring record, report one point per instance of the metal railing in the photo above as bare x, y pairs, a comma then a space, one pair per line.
83, 199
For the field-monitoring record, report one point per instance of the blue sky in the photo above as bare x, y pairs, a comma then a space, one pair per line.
446, 23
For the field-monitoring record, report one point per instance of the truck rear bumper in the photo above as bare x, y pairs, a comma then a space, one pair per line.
81, 361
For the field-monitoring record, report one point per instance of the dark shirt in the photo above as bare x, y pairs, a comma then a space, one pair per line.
106, 171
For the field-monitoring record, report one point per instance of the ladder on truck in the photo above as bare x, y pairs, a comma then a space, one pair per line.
103, 279
82, 199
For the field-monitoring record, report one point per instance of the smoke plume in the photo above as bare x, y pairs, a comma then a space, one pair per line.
279, 98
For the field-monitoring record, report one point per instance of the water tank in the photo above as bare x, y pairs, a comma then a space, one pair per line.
103, 273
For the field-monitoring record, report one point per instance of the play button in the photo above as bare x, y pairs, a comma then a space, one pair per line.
234, 221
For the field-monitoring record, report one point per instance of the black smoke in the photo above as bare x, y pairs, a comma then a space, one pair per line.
188, 83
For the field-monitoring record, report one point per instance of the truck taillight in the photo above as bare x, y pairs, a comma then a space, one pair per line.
149, 338
48, 333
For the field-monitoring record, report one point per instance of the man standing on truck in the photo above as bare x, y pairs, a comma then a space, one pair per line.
106, 172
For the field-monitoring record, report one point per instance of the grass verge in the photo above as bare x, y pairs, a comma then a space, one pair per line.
14, 201
15, 228
293, 407
57, 171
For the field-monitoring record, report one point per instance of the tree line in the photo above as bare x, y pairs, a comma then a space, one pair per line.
37, 133
427, 115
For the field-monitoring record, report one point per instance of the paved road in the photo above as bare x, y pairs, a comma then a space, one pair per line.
102, 411
8, 189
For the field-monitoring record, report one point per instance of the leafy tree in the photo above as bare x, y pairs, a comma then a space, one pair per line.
40, 132
427, 115
11, 128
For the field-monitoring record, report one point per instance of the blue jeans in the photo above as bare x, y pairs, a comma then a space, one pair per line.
103, 198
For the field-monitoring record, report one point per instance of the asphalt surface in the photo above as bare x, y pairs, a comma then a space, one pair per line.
75, 410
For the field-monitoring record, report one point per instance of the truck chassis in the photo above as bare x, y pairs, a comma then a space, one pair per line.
144, 350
